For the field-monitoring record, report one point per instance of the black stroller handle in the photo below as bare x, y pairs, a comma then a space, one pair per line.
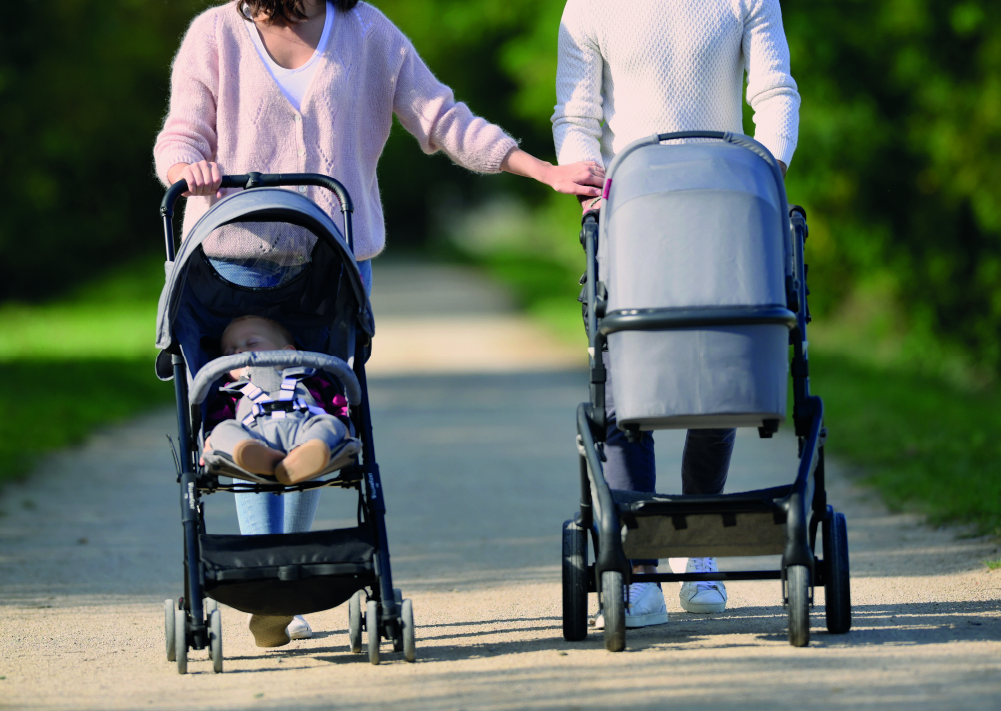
213, 370
260, 180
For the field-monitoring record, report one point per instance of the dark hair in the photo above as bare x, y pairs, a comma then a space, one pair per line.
283, 11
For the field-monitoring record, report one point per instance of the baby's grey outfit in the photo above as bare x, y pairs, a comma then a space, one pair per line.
261, 414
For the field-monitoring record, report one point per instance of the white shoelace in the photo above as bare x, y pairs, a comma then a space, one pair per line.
705, 565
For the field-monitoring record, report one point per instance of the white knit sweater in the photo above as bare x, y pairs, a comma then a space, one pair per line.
629, 69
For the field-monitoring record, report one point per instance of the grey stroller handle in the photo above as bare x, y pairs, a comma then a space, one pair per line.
215, 369
737, 139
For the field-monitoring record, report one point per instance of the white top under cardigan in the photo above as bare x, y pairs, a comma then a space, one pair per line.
293, 82
628, 70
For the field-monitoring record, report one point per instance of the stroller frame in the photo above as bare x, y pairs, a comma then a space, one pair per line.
196, 622
800, 507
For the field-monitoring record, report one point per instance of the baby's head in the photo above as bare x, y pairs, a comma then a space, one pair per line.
255, 333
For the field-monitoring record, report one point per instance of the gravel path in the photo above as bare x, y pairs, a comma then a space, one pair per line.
480, 471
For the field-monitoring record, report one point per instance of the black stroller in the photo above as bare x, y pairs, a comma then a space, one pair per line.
272, 252
703, 289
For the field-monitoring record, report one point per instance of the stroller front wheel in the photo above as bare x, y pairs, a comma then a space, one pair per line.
613, 607
181, 640
215, 639
372, 628
168, 627
798, 581
354, 622
409, 633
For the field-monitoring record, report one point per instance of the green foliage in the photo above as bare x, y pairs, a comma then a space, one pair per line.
901, 124
74, 364
921, 442
83, 87
55, 403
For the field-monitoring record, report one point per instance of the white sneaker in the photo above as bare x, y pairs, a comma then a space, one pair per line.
645, 606
703, 597
299, 628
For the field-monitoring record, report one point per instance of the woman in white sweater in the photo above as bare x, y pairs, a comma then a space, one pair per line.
630, 70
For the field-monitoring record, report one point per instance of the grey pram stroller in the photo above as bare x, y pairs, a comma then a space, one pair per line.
703, 289
273, 253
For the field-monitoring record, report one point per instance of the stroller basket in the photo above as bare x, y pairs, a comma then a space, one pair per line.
288, 574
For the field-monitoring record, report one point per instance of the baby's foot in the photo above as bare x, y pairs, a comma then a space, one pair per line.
304, 462
256, 457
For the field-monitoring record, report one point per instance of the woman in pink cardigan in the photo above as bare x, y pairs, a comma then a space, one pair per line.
311, 86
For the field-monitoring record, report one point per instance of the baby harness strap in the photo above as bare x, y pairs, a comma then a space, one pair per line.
266, 393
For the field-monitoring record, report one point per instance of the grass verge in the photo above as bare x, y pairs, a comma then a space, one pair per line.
77, 363
924, 442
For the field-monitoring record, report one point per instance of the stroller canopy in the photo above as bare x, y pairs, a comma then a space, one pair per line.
266, 252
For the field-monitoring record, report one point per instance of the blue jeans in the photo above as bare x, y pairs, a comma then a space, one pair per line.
286, 513
633, 466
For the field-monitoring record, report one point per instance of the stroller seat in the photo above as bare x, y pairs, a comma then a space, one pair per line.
275, 254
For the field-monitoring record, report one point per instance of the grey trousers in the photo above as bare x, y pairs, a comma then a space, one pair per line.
285, 434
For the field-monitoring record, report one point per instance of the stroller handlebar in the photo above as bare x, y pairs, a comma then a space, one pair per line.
259, 180
263, 180
215, 369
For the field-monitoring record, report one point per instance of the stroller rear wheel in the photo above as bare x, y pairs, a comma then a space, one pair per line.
837, 585
354, 622
798, 582
181, 640
372, 627
574, 582
215, 639
613, 607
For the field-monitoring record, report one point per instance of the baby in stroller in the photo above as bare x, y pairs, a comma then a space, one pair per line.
290, 424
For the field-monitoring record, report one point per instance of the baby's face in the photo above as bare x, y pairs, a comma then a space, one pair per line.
252, 335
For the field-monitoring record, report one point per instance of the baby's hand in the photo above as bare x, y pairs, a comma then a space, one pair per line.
205, 450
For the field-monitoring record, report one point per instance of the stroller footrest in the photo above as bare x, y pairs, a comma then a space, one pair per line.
706, 577
289, 572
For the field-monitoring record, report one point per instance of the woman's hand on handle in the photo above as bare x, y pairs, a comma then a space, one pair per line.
584, 178
203, 177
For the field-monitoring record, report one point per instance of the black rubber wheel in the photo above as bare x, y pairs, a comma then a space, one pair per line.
574, 582
837, 585
354, 622
409, 633
798, 581
613, 607
215, 639
168, 627
372, 628
181, 640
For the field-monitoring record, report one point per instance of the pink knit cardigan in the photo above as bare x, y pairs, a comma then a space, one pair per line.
226, 107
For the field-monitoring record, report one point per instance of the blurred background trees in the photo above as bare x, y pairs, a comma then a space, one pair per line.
897, 162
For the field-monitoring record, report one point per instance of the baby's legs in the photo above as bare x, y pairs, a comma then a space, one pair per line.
248, 448
310, 448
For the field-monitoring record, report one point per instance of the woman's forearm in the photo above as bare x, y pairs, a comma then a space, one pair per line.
584, 178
